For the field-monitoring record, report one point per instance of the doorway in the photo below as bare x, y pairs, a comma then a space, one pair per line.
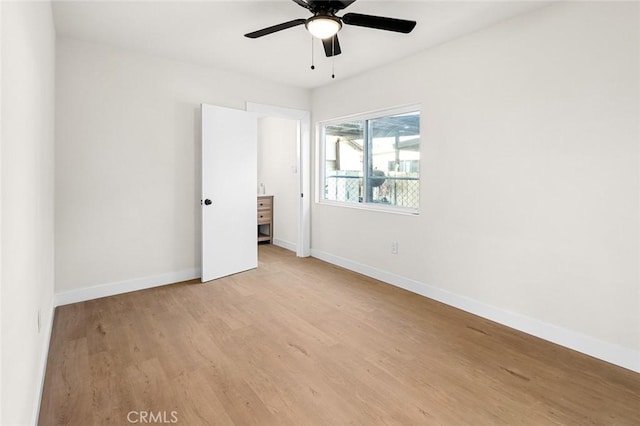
278, 177
287, 174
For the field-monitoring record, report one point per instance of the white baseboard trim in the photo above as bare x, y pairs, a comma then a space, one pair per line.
43, 366
284, 244
614, 354
111, 289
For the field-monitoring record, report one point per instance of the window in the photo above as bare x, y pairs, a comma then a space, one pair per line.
372, 160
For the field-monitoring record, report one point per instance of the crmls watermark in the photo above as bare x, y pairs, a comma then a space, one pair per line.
150, 416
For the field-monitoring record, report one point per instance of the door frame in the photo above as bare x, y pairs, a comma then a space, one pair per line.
303, 152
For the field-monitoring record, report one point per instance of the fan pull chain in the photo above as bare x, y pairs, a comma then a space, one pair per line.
313, 67
333, 57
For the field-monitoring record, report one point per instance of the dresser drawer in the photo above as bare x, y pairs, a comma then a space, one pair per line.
265, 203
264, 217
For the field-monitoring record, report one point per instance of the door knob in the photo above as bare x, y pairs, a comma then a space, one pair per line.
207, 202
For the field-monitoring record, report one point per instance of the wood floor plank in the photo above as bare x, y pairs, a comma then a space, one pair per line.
301, 342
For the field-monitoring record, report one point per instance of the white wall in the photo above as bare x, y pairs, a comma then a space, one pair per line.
27, 202
530, 186
277, 170
128, 163
1, 286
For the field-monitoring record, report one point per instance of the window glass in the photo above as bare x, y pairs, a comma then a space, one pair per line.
394, 166
344, 154
373, 161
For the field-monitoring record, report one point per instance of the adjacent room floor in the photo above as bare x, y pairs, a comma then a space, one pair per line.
299, 341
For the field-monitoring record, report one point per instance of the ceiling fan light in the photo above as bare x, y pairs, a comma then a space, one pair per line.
323, 26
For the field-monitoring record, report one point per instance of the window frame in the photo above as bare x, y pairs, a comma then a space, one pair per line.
321, 155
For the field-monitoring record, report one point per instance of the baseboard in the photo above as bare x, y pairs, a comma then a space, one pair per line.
284, 244
614, 354
111, 289
43, 367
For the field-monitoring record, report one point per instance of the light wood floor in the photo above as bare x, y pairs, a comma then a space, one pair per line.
301, 342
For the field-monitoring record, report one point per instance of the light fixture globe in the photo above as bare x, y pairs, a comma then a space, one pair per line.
323, 26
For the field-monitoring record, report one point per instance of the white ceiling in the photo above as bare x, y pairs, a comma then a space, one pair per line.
211, 32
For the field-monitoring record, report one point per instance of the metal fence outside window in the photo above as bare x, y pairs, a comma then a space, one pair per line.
399, 191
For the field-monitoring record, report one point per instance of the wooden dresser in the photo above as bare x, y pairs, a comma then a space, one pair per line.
265, 218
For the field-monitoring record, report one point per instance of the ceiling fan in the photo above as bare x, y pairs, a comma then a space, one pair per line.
324, 24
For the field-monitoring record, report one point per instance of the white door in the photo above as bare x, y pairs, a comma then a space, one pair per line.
229, 181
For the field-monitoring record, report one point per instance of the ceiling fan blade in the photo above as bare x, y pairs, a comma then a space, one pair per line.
336, 5
275, 28
345, 3
331, 46
331, 6
379, 22
302, 3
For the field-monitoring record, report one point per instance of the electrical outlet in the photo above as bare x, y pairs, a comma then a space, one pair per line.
394, 247
39, 320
